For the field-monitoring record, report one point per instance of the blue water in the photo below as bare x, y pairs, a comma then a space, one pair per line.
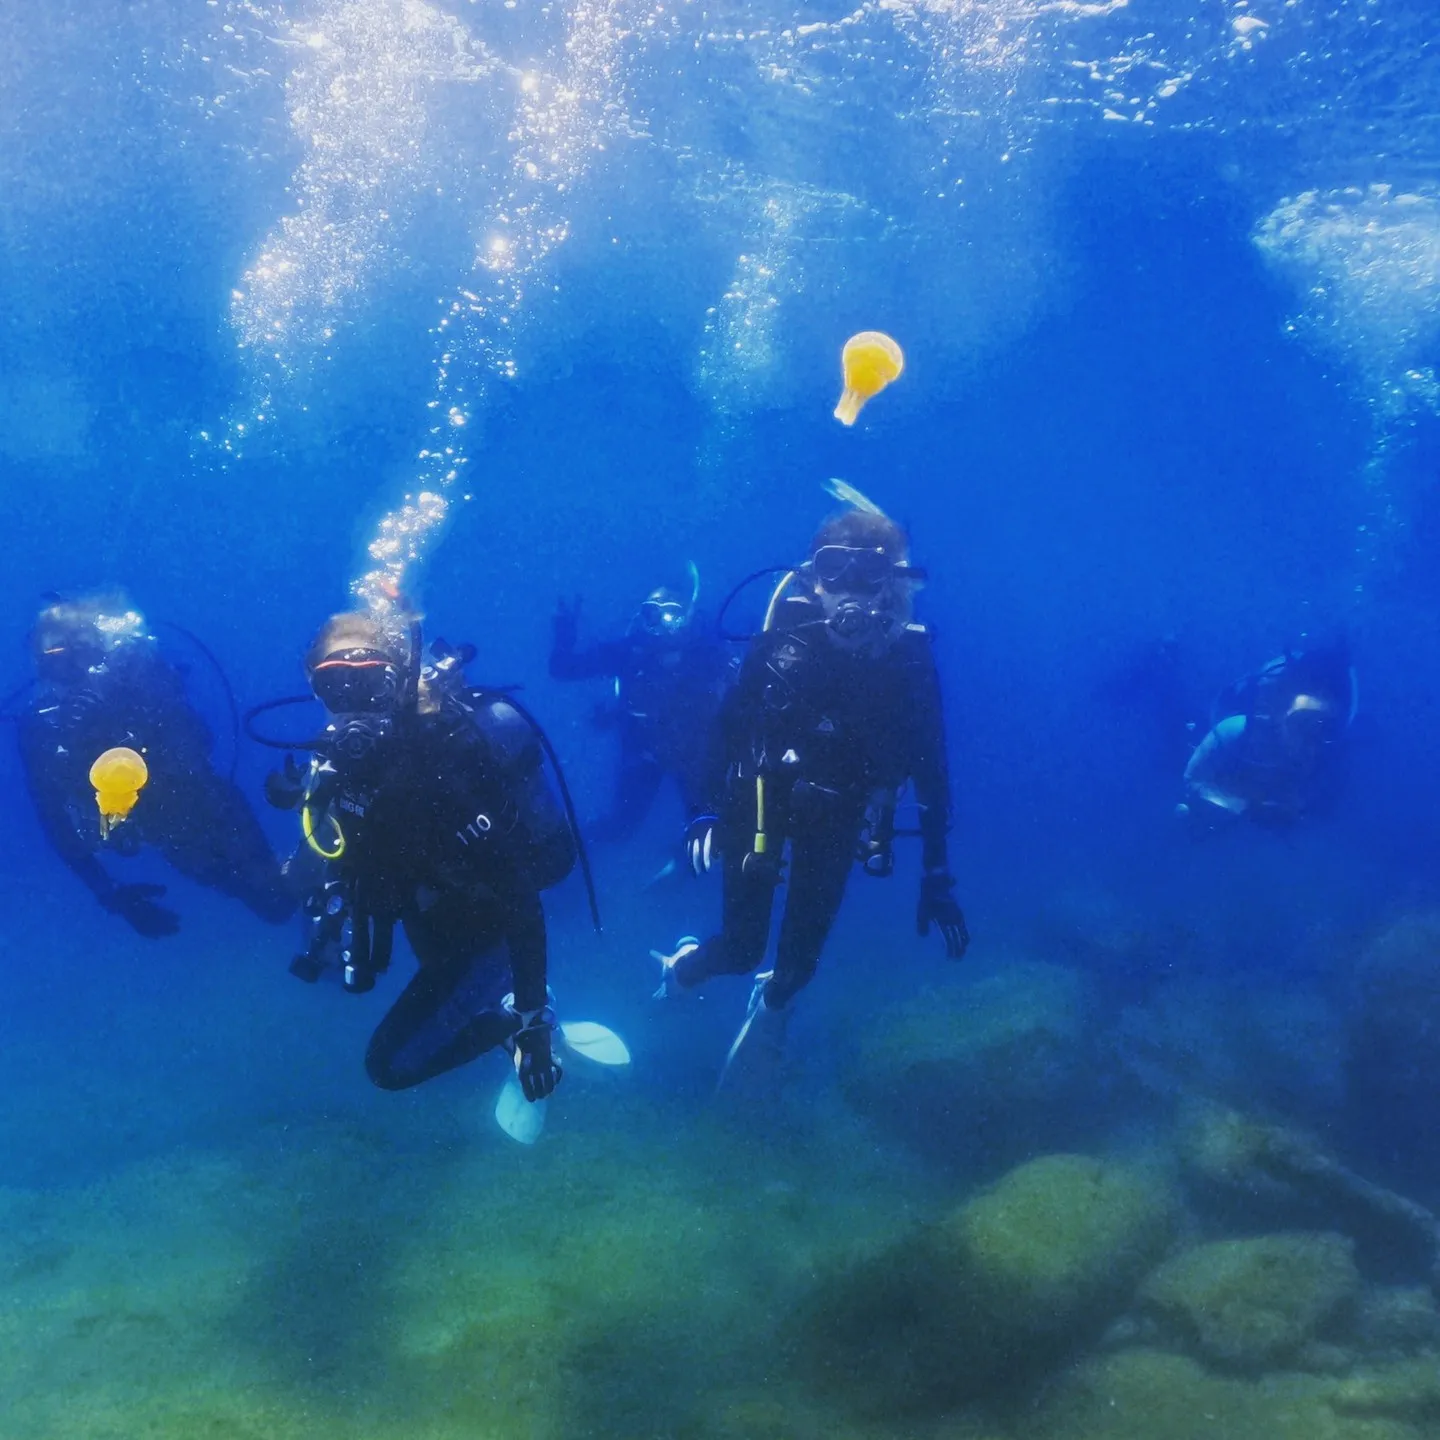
1126, 414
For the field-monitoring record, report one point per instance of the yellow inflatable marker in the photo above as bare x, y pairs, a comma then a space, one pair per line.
118, 776
869, 361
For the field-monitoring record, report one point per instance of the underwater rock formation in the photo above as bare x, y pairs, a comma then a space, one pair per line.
1395, 1039
1239, 1162
1397, 1320
1253, 1305
977, 1076
993, 1293
1407, 1390
1192, 1039
1147, 1395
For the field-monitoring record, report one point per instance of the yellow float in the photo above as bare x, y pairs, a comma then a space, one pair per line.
119, 775
869, 362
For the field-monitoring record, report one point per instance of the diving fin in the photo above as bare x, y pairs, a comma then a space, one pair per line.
521, 1119
668, 869
760, 1041
595, 1042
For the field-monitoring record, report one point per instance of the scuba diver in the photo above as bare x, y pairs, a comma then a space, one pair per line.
836, 707
668, 679
426, 804
103, 686
1275, 750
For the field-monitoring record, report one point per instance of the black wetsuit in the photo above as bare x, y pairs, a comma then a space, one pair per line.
196, 818
452, 831
665, 700
827, 729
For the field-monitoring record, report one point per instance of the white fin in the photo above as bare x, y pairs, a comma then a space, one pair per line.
663, 873
592, 1041
518, 1117
847, 494
768, 1027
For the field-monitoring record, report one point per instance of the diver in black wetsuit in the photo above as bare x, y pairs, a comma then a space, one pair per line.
1276, 750
837, 706
668, 680
431, 809
103, 683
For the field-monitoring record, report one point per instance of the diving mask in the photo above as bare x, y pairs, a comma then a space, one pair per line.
357, 682
663, 617
861, 569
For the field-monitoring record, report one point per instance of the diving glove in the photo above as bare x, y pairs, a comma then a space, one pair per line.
285, 788
701, 849
135, 904
937, 907
536, 1066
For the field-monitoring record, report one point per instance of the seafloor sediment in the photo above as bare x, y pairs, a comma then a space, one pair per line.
941, 1233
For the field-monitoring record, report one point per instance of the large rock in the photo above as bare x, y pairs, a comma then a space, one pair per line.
976, 1076
993, 1293
1060, 1240
1253, 1305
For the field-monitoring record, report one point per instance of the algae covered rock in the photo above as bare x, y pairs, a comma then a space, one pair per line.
1150, 1395
1406, 1390
1397, 1320
1253, 1305
1061, 1239
1230, 1151
977, 1075
995, 1292
1233, 1161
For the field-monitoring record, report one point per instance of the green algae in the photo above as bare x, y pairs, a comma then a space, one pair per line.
1253, 1304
